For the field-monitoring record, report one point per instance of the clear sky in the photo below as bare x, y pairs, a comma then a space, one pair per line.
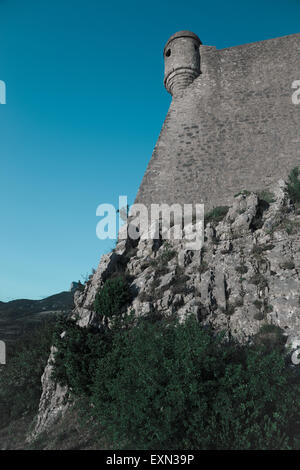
85, 105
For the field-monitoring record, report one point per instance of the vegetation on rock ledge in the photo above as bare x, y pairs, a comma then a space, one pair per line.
163, 384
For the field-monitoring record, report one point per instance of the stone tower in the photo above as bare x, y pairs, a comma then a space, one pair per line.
182, 61
231, 125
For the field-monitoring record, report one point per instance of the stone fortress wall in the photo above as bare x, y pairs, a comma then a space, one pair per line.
231, 124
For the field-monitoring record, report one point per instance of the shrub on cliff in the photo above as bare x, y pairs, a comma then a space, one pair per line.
77, 351
112, 297
294, 185
180, 387
216, 215
159, 385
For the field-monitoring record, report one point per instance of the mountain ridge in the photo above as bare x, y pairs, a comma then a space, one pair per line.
18, 315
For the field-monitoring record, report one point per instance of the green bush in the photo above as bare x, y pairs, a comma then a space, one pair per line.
266, 196
241, 269
112, 297
167, 254
216, 215
20, 378
182, 387
75, 356
159, 385
294, 185
244, 192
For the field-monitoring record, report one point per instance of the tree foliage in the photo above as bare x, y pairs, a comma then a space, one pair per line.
294, 185
20, 378
158, 385
112, 297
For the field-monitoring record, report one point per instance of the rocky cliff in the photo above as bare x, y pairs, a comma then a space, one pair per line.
245, 276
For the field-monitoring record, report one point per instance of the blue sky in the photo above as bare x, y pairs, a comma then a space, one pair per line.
85, 105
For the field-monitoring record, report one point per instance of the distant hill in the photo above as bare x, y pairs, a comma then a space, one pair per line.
19, 315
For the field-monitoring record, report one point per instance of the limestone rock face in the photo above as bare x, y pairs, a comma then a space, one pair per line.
245, 275
53, 400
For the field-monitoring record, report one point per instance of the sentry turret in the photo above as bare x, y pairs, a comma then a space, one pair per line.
182, 61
